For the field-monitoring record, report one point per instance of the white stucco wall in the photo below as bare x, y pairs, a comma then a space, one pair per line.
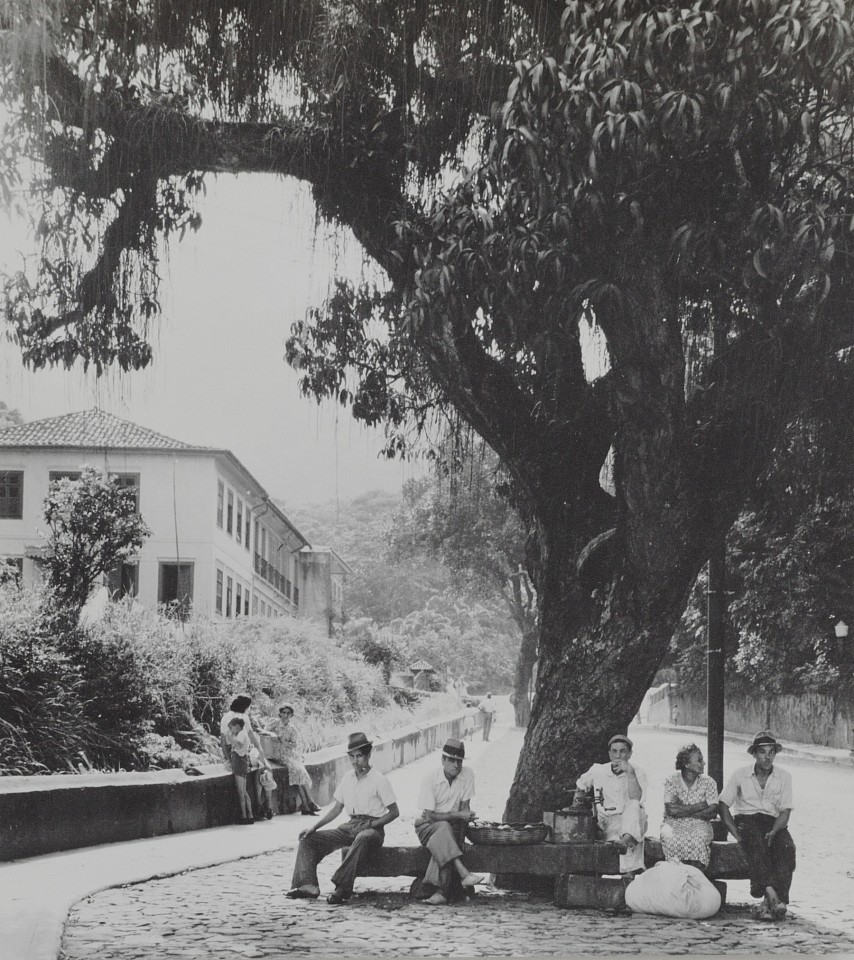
178, 501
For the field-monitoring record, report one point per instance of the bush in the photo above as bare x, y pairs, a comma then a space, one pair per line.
138, 690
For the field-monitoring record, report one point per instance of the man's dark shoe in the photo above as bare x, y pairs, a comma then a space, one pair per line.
338, 897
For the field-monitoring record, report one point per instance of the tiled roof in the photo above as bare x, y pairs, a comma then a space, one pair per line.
89, 428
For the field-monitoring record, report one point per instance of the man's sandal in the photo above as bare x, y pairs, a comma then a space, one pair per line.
299, 894
338, 897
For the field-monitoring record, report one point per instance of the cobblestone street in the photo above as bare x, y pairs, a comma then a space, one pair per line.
239, 910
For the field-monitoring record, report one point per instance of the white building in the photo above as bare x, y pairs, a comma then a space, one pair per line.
219, 545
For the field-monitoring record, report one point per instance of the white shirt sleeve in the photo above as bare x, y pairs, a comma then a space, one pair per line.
426, 796
386, 791
585, 781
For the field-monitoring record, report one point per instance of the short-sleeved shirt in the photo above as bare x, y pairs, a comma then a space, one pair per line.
614, 786
437, 794
369, 797
743, 795
239, 742
230, 715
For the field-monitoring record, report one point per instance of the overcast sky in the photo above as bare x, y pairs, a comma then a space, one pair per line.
229, 295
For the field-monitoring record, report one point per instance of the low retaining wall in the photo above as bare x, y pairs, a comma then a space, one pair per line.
806, 718
41, 815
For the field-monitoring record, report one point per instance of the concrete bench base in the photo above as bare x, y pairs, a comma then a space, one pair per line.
537, 860
583, 874
727, 861
601, 893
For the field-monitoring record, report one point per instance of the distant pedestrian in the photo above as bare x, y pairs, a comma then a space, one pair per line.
675, 714
288, 753
755, 806
487, 708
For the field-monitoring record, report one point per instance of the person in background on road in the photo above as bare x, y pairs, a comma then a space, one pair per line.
239, 747
690, 802
444, 798
370, 799
487, 708
287, 753
755, 806
621, 815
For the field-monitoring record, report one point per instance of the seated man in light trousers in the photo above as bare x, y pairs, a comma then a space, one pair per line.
370, 799
621, 815
445, 798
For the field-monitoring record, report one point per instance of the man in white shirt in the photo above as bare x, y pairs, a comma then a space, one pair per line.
445, 798
621, 814
370, 800
755, 806
487, 708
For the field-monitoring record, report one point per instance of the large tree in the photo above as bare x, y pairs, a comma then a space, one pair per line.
676, 176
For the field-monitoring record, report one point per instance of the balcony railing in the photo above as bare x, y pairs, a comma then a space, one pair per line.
276, 580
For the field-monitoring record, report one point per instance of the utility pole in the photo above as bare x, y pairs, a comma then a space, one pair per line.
716, 605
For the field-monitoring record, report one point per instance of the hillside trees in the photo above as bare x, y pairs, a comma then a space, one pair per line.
465, 520
677, 176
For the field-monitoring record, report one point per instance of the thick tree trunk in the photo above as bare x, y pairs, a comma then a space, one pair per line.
591, 681
524, 672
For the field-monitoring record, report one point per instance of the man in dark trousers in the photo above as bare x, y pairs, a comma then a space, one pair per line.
370, 800
755, 806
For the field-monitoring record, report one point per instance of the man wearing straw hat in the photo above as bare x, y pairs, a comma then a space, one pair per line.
444, 798
370, 800
761, 795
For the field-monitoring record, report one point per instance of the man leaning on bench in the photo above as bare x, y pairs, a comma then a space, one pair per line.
754, 806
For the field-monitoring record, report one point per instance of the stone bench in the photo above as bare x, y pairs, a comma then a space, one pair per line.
726, 862
579, 874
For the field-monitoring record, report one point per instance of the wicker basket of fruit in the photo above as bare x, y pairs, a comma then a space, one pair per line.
486, 832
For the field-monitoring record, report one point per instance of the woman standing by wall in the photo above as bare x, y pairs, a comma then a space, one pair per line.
288, 753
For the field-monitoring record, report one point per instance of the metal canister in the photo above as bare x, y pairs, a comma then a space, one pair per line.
572, 824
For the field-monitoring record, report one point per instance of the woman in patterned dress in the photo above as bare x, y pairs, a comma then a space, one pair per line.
287, 753
690, 802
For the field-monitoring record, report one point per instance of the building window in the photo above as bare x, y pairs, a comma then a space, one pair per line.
175, 588
239, 520
56, 475
229, 517
246, 603
296, 596
238, 600
219, 592
246, 539
128, 481
229, 589
123, 581
11, 494
255, 604
220, 502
